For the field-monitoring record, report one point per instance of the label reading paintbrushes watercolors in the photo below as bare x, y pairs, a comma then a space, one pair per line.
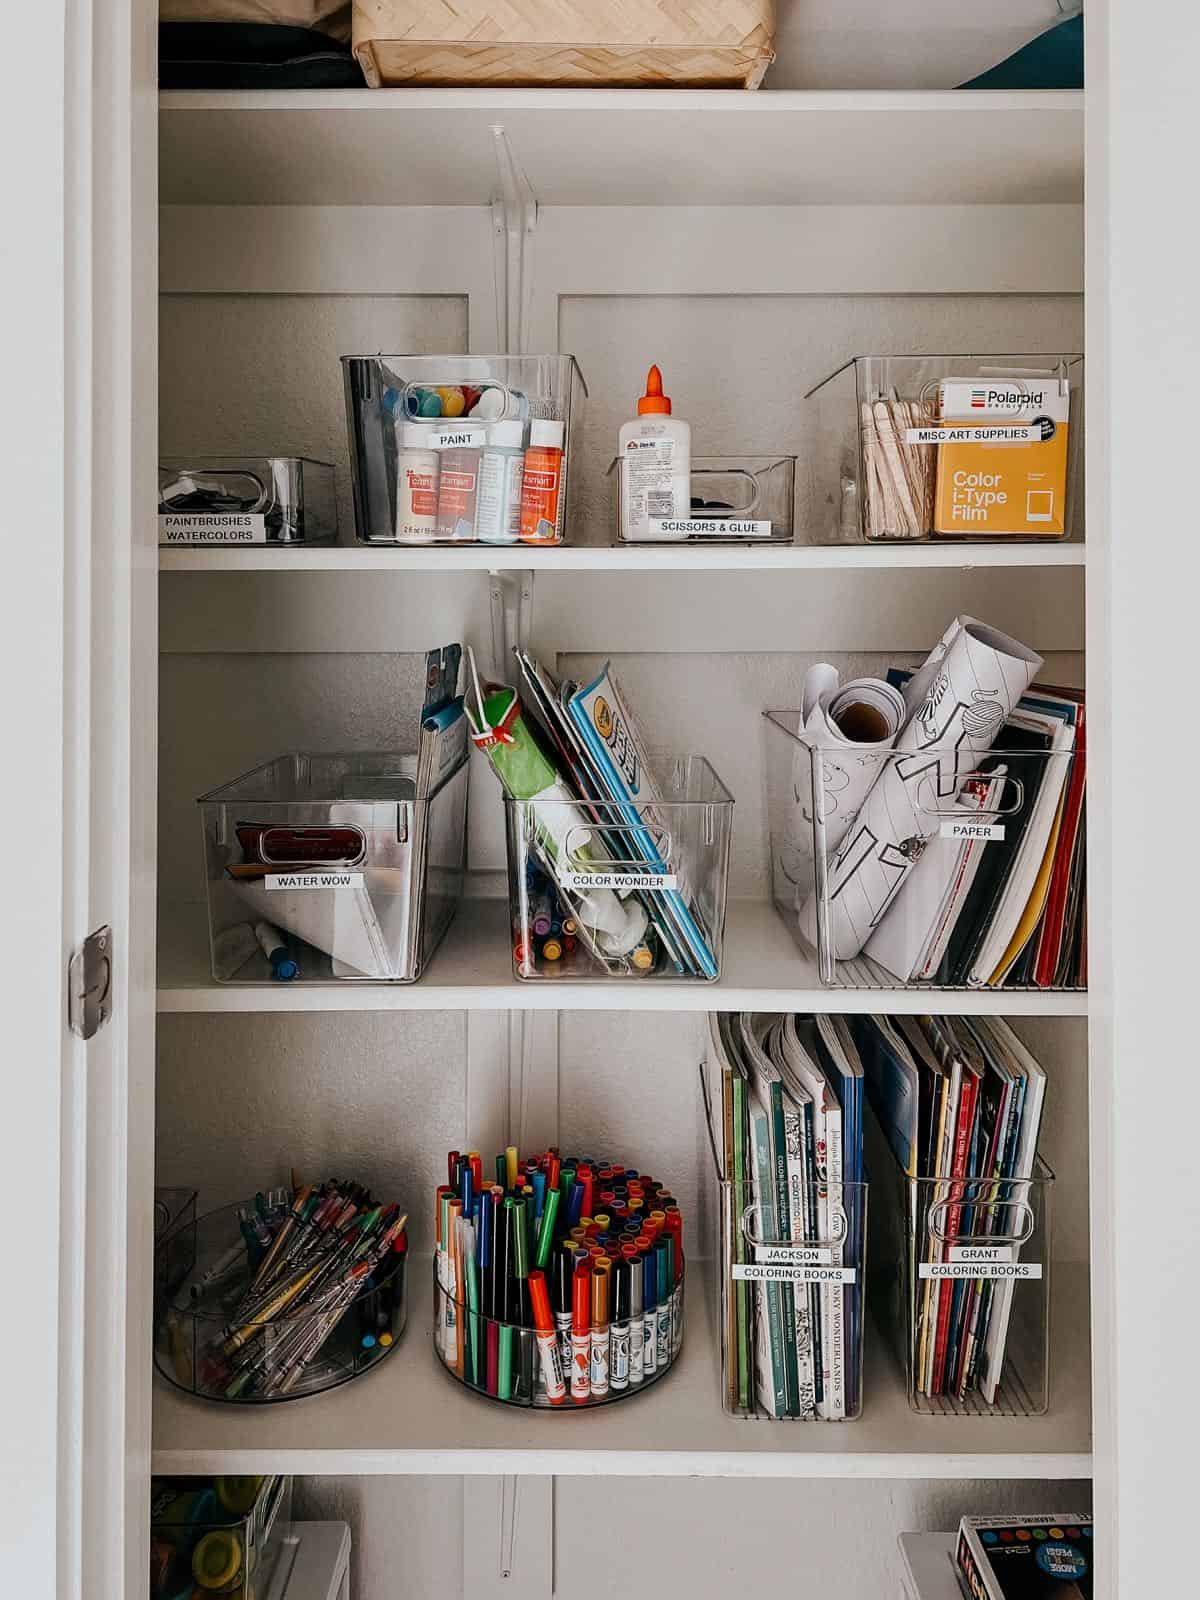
212, 527
756, 1272
313, 880
618, 880
971, 830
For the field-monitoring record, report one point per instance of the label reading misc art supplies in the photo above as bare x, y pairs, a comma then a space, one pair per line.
971, 830
618, 880
793, 1255
313, 880
708, 527
756, 1272
211, 527
996, 433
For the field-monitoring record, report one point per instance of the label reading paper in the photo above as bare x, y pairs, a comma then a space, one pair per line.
211, 527
759, 1272
962, 829
618, 880
313, 880
708, 527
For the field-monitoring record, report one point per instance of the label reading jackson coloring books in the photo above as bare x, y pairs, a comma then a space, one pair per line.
211, 527
960, 828
618, 880
313, 880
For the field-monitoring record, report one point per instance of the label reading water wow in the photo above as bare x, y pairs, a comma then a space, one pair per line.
313, 880
207, 527
619, 880
963, 829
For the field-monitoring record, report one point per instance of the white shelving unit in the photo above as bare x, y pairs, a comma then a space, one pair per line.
740, 240
929, 1566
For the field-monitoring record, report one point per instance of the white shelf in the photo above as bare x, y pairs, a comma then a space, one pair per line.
472, 971
409, 1417
617, 558
929, 1566
588, 147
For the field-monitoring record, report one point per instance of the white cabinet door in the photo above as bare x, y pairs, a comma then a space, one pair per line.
79, 651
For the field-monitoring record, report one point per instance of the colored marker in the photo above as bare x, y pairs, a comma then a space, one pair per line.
619, 1360
649, 1314
637, 1332
663, 1276
581, 1332
561, 1275
598, 1375
547, 1341
546, 1232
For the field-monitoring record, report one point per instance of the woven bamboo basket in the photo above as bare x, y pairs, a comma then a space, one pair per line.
698, 44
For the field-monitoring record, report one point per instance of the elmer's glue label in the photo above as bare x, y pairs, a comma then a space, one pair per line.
990, 484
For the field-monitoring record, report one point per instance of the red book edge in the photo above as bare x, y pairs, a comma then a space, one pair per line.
964, 1128
1060, 875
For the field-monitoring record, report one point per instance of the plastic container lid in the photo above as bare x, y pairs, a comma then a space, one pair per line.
509, 435
546, 434
654, 402
415, 435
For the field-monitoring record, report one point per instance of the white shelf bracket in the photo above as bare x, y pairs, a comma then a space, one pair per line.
508, 1536
514, 222
511, 597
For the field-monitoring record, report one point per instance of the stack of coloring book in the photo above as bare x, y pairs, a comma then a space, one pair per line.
793, 1219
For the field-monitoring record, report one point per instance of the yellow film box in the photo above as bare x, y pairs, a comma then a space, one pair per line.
1001, 457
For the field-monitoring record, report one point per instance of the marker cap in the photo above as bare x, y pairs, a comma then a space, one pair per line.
621, 1292
635, 1286
599, 1298
581, 1296
539, 1299
562, 1271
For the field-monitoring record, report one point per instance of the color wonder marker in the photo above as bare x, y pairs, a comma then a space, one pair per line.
547, 1341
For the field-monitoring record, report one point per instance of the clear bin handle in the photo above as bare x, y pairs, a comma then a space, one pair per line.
750, 1215
733, 472
941, 1209
935, 810
660, 838
314, 836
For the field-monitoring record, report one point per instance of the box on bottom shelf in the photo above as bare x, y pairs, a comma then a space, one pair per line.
220, 1535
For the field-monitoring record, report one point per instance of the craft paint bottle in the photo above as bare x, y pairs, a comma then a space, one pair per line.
417, 471
458, 483
501, 471
637, 1334
542, 506
654, 465
619, 1358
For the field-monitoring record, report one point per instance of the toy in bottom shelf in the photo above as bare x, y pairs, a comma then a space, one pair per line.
217, 1536
561, 1283
293, 1292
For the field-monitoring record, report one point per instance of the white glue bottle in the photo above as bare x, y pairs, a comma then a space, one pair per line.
417, 469
655, 468
501, 470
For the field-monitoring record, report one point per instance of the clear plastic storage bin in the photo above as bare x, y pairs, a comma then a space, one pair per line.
601, 890
948, 447
327, 866
960, 1282
245, 500
735, 499
942, 872
462, 449
505, 1362
789, 1303
217, 1535
203, 1345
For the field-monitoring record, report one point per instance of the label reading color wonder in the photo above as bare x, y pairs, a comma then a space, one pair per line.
618, 880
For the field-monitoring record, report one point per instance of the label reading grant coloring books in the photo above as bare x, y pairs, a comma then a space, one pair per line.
618, 880
980, 1269
210, 527
313, 880
962, 829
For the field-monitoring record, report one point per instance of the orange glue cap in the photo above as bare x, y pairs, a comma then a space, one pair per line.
654, 400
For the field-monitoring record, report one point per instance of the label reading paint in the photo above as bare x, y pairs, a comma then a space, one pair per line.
793, 1255
313, 880
756, 1272
708, 527
211, 527
998, 433
980, 1269
473, 438
618, 880
971, 830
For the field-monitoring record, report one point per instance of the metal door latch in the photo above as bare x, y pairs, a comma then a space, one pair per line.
89, 984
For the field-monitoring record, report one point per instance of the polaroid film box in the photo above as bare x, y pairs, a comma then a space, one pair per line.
1002, 470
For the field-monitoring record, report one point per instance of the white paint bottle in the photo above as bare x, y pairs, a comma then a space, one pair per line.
417, 470
655, 467
501, 471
